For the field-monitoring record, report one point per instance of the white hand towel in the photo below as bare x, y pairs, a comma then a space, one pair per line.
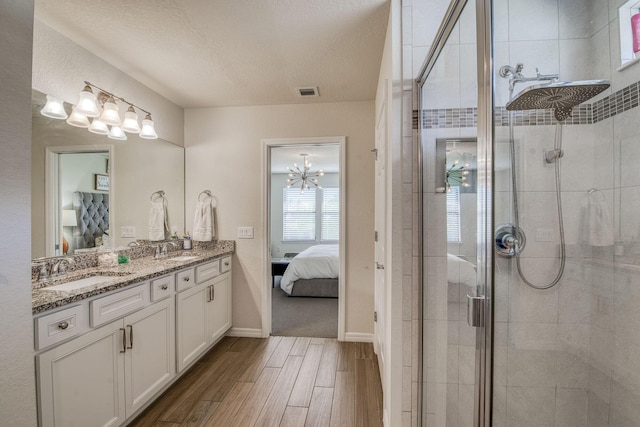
203, 222
157, 221
597, 225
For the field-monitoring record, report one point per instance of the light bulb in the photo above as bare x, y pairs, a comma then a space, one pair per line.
78, 119
130, 123
54, 108
148, 131
98, 127
110, 114
117, 133
87, 103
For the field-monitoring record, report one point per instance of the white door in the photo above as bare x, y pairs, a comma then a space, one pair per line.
380, 233
150, 361
82, 381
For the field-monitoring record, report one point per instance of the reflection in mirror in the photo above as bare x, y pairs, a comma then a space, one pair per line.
106, 183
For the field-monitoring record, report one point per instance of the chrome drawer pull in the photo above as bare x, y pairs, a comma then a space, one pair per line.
63, 325
164, 287
186, 279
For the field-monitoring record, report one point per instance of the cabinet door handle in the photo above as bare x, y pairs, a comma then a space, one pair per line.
164, 287
63, 325
213, 292
130, 337
208, 293
124, 340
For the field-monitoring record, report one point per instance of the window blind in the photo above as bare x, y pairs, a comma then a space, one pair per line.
299, 214
330, 228
453, 215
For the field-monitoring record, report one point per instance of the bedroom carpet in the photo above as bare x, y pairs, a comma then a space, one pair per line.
302, 316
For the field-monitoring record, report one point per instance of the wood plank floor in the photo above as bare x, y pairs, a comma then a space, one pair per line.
277, 381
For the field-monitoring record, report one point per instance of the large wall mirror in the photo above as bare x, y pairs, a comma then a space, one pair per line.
84, 185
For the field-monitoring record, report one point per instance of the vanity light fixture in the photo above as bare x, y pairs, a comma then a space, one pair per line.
303, 176
148, 131
54, 108
103, 108
117, 133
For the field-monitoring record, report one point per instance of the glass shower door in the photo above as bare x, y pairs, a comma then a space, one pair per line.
454, 209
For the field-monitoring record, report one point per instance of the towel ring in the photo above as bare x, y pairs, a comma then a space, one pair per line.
159, 193
593, 191
206, 193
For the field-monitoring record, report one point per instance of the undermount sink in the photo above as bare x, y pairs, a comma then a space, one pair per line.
80, 283
183, 258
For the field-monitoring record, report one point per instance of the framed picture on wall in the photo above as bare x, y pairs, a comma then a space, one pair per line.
102, 182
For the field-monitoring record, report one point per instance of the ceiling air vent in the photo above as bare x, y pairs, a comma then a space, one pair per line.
307, 91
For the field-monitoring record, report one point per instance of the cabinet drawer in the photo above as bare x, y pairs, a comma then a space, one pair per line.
207, 271
225, 264
185, 279
106, 309
162, 288
56, 327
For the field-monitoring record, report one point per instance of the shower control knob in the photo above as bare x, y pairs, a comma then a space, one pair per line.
507, 241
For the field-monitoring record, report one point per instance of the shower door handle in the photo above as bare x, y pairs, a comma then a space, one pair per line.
475, 311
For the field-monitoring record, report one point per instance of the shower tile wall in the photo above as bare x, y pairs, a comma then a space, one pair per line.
568, 356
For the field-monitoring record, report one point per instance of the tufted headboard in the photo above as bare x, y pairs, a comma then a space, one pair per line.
92, 210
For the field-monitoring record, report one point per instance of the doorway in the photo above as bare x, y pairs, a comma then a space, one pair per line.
304, 215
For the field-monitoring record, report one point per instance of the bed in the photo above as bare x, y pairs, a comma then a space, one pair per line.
461, 271
92, 210
313, 273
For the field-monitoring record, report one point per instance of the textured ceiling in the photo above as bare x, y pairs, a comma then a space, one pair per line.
200, 53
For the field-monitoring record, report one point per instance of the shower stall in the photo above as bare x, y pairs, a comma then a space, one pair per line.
529, 131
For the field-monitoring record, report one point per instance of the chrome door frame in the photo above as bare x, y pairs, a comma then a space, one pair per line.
485, 146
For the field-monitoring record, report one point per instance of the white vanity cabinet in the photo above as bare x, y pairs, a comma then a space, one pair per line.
100, 361
104, 376
203, 312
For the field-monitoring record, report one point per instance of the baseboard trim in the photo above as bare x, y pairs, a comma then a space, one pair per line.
358, 337
245, 332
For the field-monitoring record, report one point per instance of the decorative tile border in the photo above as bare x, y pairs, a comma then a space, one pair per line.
584, 114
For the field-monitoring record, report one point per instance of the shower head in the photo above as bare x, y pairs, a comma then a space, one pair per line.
561, 96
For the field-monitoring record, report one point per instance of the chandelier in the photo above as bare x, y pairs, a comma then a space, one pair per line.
303, 176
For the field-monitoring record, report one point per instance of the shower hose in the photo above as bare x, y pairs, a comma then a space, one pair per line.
563, 255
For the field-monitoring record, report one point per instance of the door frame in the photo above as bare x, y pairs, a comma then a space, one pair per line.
485, 146
52, 190
267, 144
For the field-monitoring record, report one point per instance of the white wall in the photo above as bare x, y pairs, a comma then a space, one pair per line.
17, 388
224, 154
60, 67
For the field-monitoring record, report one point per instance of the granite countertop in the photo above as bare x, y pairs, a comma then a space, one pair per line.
134, 272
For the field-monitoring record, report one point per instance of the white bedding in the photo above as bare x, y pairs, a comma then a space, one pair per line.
460, 271
316, 262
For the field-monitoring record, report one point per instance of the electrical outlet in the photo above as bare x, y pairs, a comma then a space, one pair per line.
245, 232
544, 235
128, 231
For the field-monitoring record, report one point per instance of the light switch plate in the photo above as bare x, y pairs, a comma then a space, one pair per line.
245, 232
128, 231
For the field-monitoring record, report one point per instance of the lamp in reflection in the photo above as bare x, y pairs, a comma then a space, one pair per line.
69, 219
54, 108
104, 110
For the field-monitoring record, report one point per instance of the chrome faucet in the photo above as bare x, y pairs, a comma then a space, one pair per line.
162, 249
59, 269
